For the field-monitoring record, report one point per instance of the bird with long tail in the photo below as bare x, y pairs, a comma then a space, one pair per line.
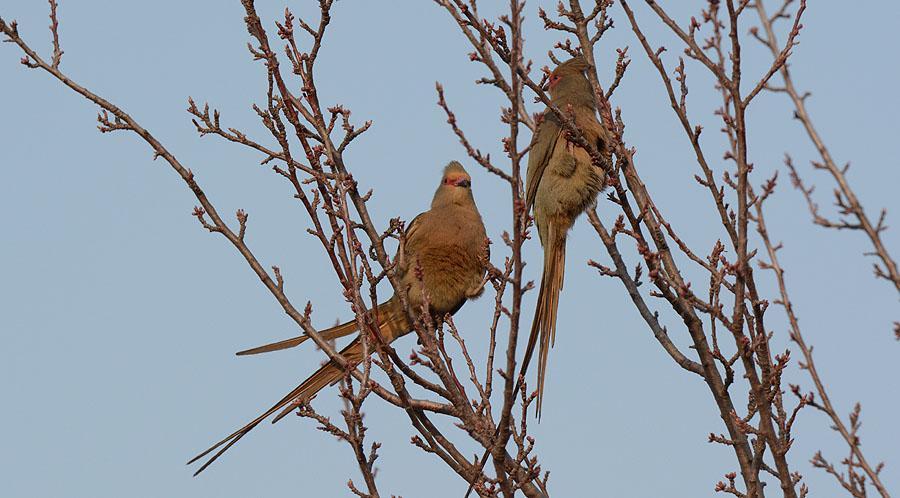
561, 183
448, 244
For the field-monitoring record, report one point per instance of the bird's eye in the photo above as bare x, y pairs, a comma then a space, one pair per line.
457, 181
554, 80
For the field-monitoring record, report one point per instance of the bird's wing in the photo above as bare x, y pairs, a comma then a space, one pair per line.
542, 145
410, 234
594, 129
414, 226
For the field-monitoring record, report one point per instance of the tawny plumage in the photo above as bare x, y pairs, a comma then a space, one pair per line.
561, 183
448, 243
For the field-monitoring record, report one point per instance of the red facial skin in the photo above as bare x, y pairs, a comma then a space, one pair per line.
554, 80
457, 181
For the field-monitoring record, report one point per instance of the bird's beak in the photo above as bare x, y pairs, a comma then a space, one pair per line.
463, 182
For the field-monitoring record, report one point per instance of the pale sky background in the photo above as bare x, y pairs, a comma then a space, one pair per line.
119, 315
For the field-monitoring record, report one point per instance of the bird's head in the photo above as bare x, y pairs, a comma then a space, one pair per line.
455, 187
456, 176
568, 84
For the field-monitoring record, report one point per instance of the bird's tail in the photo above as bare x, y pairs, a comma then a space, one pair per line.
341, 330
544, 324
393, 324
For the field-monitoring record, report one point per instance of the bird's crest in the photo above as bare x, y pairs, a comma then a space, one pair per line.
454, 168
574, 65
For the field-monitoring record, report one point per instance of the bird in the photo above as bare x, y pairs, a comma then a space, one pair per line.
448, 243
561, 183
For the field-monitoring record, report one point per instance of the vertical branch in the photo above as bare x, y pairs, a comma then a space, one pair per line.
514, 21
846, 199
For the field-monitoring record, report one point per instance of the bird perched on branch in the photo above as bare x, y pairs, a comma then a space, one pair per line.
561, 183
448, 244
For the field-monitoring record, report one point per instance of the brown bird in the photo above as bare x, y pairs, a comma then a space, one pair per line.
561, 183
448, 243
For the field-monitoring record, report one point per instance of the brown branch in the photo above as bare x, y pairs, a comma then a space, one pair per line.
54, 29
483, 160
651, 318
809, 365
846, 196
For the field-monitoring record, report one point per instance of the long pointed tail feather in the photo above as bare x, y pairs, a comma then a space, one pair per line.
393, 324
329, 334
326, 375
543, 326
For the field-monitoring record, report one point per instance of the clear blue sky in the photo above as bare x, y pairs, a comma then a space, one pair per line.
119, 315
